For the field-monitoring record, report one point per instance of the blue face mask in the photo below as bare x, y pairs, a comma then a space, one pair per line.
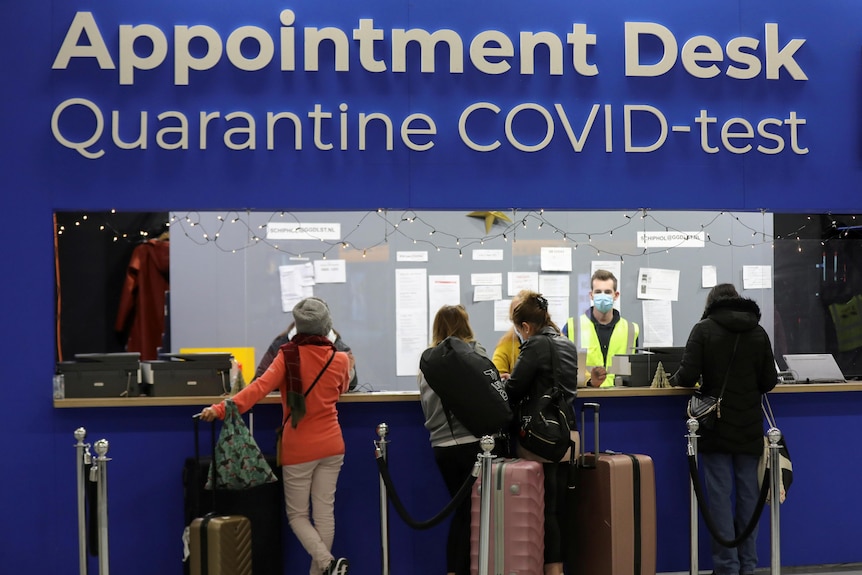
603, 302
520, 337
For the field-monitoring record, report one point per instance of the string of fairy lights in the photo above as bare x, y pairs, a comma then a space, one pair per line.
208, 229
104, 223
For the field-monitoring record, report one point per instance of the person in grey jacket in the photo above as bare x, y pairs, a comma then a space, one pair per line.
455, 448
729, 343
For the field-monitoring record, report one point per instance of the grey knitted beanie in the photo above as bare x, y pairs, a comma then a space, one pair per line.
311, 316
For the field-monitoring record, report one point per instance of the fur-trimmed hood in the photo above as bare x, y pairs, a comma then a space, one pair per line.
735, 314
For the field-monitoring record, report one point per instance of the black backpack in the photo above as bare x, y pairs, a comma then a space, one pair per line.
468, 385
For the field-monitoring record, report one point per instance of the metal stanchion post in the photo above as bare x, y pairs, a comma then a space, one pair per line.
774, 435
485, 460
693, 425
380, 446
82, 457
101, 448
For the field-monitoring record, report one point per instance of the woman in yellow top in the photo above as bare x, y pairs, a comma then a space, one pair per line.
509, 346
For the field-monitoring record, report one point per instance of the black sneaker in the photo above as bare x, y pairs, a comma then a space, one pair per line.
336, 567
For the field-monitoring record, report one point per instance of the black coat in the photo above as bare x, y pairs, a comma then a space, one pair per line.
533, 373
750, 373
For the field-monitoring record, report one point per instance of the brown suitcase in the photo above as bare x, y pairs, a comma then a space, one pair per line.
220, 545
615, 511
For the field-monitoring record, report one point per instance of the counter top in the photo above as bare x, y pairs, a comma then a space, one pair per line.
203, 400
390, 396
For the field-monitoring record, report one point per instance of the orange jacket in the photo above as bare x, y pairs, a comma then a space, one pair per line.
318, 434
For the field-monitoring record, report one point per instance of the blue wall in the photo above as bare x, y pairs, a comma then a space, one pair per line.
40, 176
816, 80
819, 521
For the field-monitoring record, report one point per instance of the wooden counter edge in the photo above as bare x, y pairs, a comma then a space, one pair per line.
396, 396
355, 397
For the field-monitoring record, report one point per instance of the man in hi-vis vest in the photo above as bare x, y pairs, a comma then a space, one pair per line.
604, 332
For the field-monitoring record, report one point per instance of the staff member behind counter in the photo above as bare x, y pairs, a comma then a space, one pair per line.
288, 334
604, 332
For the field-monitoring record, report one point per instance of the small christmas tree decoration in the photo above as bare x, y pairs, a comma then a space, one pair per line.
660, 380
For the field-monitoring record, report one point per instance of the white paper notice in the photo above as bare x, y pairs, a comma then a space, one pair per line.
411, 319
522, 280
708, 276
756, 277
671, 239
303, 231
556, 259
488, 255
614, 267
307, 272
658, 324
558, 308
330, 271
411, 256
487, 293
654, 283
501, 315
296, 282
443, 290
554, 285
486, 279
555, 288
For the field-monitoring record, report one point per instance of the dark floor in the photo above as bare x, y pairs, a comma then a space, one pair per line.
838, 569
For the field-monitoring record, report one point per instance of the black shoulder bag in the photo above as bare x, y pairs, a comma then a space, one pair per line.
543, 423
706, 409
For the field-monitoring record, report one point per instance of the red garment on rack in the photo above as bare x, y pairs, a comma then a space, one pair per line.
143, 297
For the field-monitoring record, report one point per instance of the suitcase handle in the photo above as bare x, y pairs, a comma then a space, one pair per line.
197, 419
583, 455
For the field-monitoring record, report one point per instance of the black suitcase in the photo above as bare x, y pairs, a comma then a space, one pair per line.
262, 505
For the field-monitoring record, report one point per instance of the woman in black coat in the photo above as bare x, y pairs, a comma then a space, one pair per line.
729, 344
534, 374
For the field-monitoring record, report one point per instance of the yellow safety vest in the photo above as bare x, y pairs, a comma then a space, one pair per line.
848, 323
622, 342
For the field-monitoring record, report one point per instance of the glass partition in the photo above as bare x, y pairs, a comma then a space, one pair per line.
93, 251
234, 276
818, 288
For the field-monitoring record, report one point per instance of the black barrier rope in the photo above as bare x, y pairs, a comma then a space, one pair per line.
707, 518
463, 491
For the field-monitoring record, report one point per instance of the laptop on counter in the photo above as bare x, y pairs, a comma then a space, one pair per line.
814, 368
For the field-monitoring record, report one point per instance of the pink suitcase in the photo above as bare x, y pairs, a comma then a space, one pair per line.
517, 543
615, 512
